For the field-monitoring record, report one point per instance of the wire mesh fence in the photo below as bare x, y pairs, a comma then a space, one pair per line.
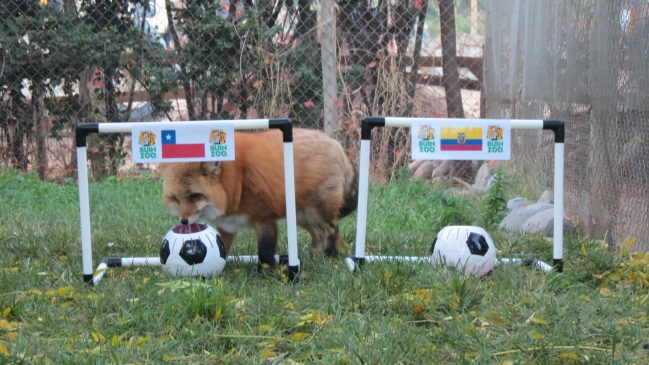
325, 64
586, 62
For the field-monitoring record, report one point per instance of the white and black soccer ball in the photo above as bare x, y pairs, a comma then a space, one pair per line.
468, 248
193, 250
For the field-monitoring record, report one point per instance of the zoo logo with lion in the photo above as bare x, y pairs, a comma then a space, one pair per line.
217, 142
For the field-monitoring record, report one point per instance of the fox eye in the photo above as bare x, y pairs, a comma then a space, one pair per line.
194, 197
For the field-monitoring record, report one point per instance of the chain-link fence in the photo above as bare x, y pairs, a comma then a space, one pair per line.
66, 61
323, 63
408, 58
585, 62
326, 64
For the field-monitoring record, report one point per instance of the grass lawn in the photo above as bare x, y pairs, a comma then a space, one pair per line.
390, 313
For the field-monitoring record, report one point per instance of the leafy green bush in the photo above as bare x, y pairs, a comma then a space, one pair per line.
494, 206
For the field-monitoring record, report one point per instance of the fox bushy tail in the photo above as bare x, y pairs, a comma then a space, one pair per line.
351, 190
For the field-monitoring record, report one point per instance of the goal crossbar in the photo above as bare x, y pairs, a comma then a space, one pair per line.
83, 130
369, 123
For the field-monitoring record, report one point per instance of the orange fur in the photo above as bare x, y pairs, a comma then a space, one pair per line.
249, 191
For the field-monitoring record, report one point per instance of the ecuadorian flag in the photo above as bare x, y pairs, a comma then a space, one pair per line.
461, 139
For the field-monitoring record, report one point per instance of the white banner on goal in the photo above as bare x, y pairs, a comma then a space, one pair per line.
169, 142
453, 139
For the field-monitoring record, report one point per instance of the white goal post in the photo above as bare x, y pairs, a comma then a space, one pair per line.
93, 277
369, 123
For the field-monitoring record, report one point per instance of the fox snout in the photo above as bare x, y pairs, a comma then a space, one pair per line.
188, 216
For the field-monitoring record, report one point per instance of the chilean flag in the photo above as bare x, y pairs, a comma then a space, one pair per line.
171, 149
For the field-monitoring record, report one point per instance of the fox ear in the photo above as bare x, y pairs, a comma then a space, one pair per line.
210, 168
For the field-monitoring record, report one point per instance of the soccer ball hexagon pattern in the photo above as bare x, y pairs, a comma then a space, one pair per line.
193, 250
464, 247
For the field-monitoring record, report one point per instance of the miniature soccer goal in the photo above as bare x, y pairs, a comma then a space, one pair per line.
181, 152
453, 150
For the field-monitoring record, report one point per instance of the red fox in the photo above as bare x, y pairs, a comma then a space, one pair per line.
249, 191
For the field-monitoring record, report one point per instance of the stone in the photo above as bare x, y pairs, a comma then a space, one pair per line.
515, 219
546, 197
443, 170
544, 222
484, 172
414, 165
525, 203
491, 181
424, 170
515, 202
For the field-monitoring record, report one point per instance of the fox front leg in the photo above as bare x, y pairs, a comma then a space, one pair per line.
266, 242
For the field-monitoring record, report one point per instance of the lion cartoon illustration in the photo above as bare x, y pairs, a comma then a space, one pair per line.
426, 133
494, 133
147, 138
217, 136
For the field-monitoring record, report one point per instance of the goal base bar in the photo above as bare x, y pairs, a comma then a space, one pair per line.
107, 262
352, 261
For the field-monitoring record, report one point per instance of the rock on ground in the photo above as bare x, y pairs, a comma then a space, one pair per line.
424, 170
484, 172
414, 165
515, 202
515, 219
544, 222
546, 197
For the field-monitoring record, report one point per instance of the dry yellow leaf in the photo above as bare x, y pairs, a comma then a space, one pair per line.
569, 355
498, 320
300, 336
264, 327
6, 312
97, 336
34, 291
267, 353
418, 309
536, 336
585, 297
309, 317
11, 336
219, 313
3, 349
143, 340
628, 244
8, 326
507, 362
145, 280
64, 290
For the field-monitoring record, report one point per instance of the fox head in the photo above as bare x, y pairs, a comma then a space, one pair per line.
193, 190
